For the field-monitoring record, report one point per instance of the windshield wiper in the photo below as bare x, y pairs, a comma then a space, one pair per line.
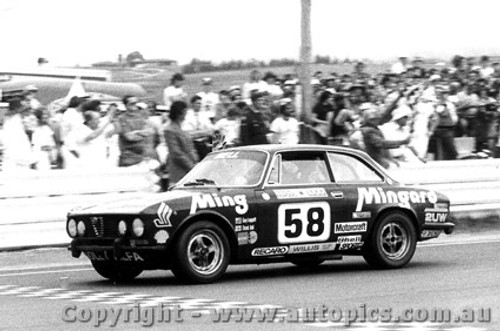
201, 181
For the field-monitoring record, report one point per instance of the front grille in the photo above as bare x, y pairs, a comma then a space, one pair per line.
102, 226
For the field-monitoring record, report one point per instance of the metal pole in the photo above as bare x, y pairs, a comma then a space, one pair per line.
305, 61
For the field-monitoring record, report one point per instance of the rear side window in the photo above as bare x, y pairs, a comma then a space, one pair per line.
347, 169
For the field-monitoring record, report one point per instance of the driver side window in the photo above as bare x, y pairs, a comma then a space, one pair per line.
299, 168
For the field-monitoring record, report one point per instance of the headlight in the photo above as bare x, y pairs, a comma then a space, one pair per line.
71, 228
81, 228
138, 227
122, 227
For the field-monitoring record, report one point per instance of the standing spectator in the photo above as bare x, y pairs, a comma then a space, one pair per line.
285, 128
486, 70
134, 134
225, 104
424, 123
209, 99
199, 126
442, 140
72, 120
174, 92
255, 84
273, 90
374, 141
17, 154
320, 113
91, 139
182, 155
45, 149
229, 127
254, 129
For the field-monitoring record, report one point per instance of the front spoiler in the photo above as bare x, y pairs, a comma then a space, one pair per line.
118, 246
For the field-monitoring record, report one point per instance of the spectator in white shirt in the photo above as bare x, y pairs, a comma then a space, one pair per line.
255, 84
197, 122
209, 99
43, 141
174, 92
91, 139
285, 128
400, 66
486, 70
274, 91
229, 127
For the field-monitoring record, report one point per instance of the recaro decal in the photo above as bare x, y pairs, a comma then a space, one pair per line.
204, 201
372, 195
270, 251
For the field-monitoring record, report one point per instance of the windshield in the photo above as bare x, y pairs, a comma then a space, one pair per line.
231, 168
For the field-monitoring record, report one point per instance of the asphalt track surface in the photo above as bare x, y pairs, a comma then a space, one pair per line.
452, 272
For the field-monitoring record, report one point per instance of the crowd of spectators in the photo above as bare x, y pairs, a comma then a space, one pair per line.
409, 114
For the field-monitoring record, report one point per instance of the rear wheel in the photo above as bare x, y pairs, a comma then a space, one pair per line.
202, 253
392, 242
117, 272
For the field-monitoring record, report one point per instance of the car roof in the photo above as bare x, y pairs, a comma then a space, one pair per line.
300, 147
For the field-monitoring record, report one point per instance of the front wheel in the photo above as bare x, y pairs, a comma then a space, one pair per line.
202, 253
392, 242
116, 272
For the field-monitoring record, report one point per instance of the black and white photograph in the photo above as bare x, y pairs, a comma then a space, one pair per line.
249, 165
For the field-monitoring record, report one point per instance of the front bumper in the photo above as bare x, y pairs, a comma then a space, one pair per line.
117, 246
446, 227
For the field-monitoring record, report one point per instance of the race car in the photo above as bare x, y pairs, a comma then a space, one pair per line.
302, 204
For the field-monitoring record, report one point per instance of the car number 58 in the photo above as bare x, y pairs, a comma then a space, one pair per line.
303, 222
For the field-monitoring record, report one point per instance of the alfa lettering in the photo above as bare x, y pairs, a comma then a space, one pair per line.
350, 227
435, 217
205, 201
372, 195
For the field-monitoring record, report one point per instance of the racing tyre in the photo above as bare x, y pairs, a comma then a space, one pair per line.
310, 263
392, 242
117, 272
202, 253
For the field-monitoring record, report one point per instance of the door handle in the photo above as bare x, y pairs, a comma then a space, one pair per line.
337, 195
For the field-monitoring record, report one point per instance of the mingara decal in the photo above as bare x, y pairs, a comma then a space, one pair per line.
372, 195
204, 201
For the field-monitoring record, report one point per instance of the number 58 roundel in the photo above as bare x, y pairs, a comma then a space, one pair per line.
303, 222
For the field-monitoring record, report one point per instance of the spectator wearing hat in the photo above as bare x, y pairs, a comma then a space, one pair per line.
209, 99
174, 92
254, 129
182, 155
17, 153
397, 129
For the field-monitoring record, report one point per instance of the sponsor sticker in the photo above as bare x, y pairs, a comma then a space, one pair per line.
104, 256
244, 223
206, 201
349, 239
164, 213
161, 237
270, 251
317, 192
309, 248
349, 242
350, 227
377, 195
430, 234
361, 214
248, 237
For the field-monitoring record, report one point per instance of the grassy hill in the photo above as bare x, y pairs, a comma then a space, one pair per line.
155, 80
